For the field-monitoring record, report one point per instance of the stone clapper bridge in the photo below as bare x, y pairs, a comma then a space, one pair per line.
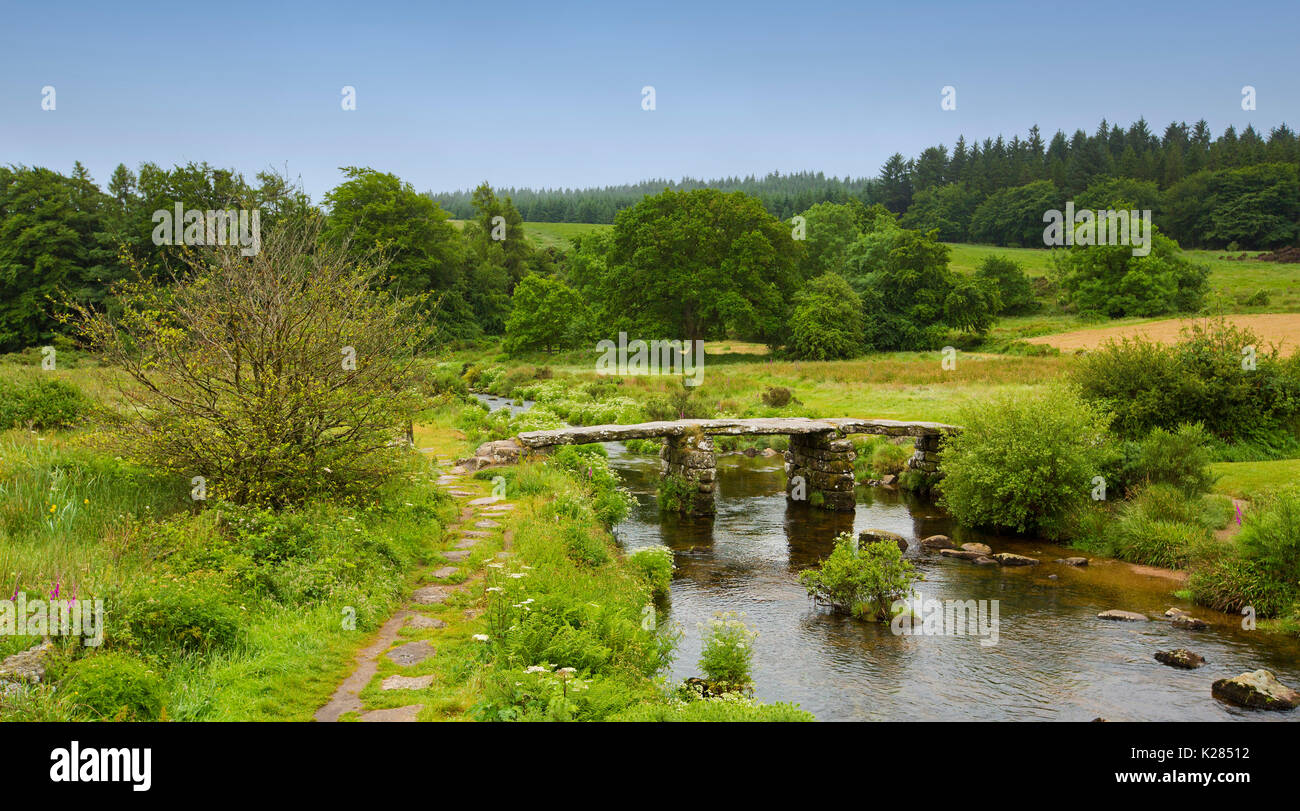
820, 455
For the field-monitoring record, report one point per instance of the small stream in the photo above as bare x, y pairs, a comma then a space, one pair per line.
1054, 659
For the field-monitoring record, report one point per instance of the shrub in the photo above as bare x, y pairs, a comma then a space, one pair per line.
676, 493
863, 580
727, 656
1003, 274
1180, 458
162, 617
1024, 462
827, 320
1110, 280
1201, 379
777, 396
585, 547
113, 687
42, 404
655, 565
1270, 537
271, 416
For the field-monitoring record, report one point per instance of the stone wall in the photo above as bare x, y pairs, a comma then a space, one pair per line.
823, 463
691, 456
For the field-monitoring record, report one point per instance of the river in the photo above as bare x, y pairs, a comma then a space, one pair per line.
1053, 658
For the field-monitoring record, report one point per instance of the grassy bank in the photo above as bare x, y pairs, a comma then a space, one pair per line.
557, 623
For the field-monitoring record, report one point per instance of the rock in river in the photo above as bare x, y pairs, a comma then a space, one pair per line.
979, 548
1189, 622
879, 535
937, 542
1259, 690
1074, 561
1009, 559
1122, 616
961, 553
1180, 657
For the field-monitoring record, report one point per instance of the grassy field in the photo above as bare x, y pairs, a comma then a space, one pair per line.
1249, 479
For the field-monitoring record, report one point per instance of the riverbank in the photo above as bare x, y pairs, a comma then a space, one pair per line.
532, 612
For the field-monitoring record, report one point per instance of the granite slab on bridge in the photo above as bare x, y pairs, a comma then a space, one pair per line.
791, 426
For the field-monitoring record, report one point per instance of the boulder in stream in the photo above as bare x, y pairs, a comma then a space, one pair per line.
962, 554
1180, 657
937, 542
1189, 622
879, 535
1075, 561
977, 548
1122, 616
1011, 559
1259, 690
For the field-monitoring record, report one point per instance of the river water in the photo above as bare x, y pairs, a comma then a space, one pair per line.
1053, 658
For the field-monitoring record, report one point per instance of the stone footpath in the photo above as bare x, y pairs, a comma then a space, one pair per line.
409, 638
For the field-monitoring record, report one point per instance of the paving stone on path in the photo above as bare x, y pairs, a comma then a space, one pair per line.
407, 714
475, 533
412, 653
431, 595
499, 508
485, 500
486, 524
456, 556
445, 572
406, 682
444, 480
459, 470
421, 621
460, 493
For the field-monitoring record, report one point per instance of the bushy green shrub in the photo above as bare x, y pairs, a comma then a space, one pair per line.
727, 655
109, 686
1004, 274
827, 320
1269, 545
1110, 280
41, 404
585, 546
1180, 458
1024, 462
862, 579
676, 493
164, 616
777, 396
655, 565
1204, 378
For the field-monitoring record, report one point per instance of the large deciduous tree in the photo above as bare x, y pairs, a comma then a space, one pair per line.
697, 265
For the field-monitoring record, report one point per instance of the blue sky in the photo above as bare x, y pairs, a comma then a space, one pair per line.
549, 94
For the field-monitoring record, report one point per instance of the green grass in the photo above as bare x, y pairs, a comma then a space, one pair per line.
1249, 480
